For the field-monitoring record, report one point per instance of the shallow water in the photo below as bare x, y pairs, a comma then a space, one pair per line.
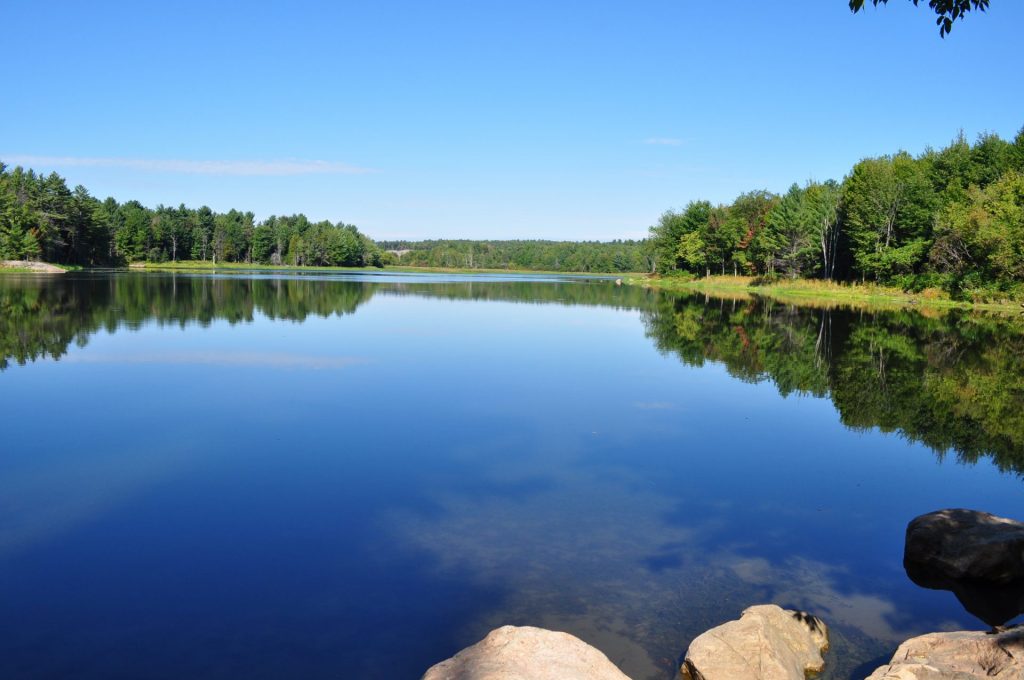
264, 476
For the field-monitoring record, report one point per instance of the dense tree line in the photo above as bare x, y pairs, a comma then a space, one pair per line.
558, 256
951, 218
41, 218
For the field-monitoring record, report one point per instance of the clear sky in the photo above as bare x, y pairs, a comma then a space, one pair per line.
497, 119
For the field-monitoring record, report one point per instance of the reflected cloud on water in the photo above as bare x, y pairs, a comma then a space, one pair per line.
583, 553
241, 359
60, 492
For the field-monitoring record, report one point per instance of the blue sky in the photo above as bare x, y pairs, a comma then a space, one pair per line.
523, 119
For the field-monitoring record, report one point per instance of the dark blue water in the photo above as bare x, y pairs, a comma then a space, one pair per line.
269, 476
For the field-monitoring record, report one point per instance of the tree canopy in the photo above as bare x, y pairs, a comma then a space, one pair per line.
41, 218
951, 218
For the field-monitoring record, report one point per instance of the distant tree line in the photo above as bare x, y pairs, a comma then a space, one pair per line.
559, 256
41, 218
951, 218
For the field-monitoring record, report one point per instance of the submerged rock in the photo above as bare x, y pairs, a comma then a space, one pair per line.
978, 556
766, 643
527, 653
957, 656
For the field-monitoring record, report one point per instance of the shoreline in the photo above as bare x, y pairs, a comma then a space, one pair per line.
812, 293
799, 292
30, 267
190, 265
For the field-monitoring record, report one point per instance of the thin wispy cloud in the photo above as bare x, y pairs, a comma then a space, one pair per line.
278, 168
663, 141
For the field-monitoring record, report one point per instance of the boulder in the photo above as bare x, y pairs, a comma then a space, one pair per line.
527, 653
957, 656
766, 643
978, 556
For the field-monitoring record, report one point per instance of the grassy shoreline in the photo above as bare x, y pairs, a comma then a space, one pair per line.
801, 292
191, 265
821, 293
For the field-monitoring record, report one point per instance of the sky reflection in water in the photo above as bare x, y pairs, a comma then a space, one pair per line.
279, 476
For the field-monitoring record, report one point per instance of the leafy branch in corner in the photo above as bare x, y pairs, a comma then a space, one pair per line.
948, 11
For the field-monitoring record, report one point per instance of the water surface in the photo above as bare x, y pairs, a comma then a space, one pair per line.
264, 476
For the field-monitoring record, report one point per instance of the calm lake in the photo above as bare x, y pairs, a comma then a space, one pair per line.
355, 476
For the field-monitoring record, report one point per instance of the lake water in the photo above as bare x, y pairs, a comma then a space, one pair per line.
355, 476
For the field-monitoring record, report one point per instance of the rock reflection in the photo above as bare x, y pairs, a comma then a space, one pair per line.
976, 555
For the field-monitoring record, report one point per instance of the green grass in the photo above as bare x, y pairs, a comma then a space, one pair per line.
192, 265
821, 293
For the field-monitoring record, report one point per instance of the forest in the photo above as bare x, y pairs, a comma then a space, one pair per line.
950, 219
538, 255
41, 218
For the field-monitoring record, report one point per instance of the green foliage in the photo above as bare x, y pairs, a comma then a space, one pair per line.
692, 250
556, 256
949, 218
672, 229
980, 241
793, 232
17, 242
41, 217
889, 203
948, 11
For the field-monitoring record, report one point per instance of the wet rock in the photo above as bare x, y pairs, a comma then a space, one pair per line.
976, 555
957, 656
766, 643
526, 653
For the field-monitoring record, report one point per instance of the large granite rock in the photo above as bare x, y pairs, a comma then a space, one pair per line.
766, 643
526, 653
957, 656
978, 556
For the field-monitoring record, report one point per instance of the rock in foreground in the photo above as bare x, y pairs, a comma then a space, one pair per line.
978, 556
957, 656
527, 653
766, 643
